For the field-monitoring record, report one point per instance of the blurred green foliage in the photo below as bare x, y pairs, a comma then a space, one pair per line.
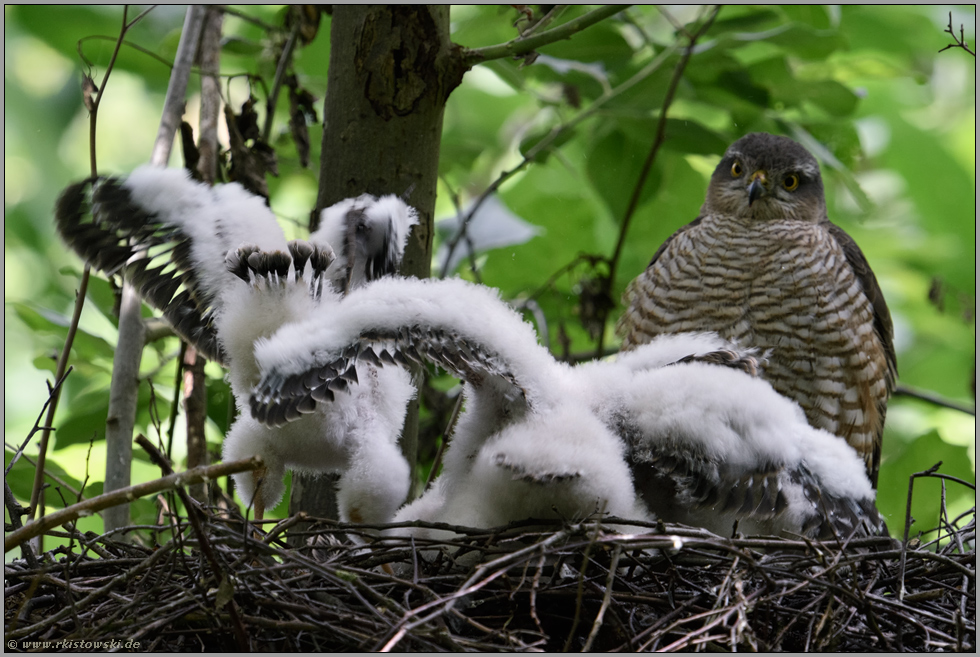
893, 119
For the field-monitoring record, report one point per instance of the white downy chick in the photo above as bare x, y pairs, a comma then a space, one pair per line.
538, 434
216, 263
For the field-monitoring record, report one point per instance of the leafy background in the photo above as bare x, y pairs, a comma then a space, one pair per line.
892, 118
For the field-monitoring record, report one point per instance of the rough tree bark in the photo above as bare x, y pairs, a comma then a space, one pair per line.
391, 70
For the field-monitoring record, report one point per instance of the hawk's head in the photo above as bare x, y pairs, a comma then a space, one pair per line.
765, 177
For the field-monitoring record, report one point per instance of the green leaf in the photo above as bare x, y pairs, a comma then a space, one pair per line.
226, 592
832, 96
808, 43
648, 94
814, 16
775, 75
45, 321
687, 136
601, 42
85, 422
221, 405
584, 78
235, 45
609, 154
21, 481
742, 85
476, 26
675, 204
537, 137
741, 18
920, 455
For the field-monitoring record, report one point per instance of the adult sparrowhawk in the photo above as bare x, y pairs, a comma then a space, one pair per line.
763, 266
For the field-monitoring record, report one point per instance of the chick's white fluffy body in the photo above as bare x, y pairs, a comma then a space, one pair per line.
357, 436
725, 417
542, 439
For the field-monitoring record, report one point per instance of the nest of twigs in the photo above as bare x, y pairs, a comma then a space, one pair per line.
212, 585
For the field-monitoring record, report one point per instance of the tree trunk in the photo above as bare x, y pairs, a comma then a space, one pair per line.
391, 69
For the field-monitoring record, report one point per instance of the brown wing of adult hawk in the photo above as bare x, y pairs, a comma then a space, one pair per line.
763, 266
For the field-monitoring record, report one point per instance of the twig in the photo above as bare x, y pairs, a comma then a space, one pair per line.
478, 580
173, 104
902, 390
175, 400
545, 21
450, 427
94, 113
651, 157
37, 423
83, 283
958, 42
50, 475
908, 525
707, 595
123, 390
284, 59
549, 139
195, 515
125, 495
129, 44
522, 46
613, 565
210, 53
15, 511
581, 589
194, 390
248, 18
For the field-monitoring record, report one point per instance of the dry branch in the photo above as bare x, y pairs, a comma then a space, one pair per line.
126, 495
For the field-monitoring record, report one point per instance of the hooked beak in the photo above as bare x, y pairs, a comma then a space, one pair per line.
757, 187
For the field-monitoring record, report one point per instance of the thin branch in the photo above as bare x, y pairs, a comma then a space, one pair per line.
248, 18
194, 392
83, 283
50, 475
195, 514
210, 53
902, 390
908, 526
124, 389
129, 44
522, 46
15, 511
284, 58
450, 428
173, 104
581, 588
94, 113
652, 155
959, 42
37, 423
545, 21
554, 135
126, 495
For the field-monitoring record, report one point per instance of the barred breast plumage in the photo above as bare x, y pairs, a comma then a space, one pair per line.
764, 267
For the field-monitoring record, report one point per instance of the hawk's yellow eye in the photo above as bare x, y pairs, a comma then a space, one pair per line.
791, 182
737, 169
